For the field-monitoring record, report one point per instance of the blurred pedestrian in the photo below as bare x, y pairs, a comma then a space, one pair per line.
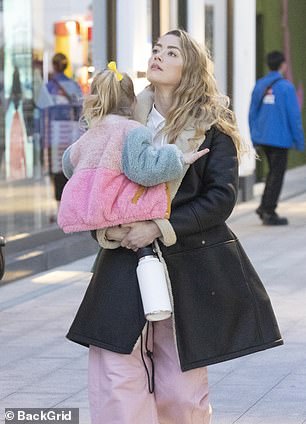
276, 126
17, 156
156, 373
2, 259
60, 102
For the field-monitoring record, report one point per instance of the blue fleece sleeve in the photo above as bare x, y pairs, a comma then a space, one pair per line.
66, 163
294, 117
146, 165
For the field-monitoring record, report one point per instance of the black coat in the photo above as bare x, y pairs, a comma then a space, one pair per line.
221, 308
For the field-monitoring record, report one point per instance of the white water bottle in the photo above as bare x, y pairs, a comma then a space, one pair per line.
153, 286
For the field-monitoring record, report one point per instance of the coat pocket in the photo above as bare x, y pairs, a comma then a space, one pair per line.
213, 302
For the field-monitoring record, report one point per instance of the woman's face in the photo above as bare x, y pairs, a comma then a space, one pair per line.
166, 62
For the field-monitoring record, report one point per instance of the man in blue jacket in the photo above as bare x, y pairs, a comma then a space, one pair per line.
276, 125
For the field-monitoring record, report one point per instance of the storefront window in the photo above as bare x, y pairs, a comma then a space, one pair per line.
45, 69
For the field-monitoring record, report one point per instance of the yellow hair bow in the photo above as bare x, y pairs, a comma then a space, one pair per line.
113, 67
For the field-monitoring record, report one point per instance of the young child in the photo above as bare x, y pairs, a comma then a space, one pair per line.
117, 176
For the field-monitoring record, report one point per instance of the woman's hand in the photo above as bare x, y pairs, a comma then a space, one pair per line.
117, 233
141, 234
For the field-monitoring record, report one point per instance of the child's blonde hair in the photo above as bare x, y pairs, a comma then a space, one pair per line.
108, 95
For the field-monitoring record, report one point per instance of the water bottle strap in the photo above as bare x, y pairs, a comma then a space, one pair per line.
149, 353
162, 260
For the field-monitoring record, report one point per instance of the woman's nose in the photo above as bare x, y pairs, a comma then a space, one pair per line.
157, 56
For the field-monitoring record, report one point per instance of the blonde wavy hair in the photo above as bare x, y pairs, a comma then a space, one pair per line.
197, 98
108, 95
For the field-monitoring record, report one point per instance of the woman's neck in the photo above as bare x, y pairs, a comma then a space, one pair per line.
163, 101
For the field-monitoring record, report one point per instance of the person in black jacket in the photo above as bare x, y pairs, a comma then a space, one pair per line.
221, 309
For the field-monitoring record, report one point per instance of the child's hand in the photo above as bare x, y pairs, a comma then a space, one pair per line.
191, 157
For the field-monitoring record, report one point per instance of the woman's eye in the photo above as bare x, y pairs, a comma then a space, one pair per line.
170, 53
155, 50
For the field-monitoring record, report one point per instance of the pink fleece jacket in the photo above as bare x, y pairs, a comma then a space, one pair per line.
99, 195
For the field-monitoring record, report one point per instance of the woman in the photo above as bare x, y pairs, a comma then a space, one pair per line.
221, 310
61, 113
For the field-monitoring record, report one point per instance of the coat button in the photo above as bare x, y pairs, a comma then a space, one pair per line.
203, 241
213, 293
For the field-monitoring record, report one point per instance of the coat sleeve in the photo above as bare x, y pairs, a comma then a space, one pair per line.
217, 197
294, 117
143, 164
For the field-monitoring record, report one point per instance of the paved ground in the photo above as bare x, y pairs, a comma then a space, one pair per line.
40, 368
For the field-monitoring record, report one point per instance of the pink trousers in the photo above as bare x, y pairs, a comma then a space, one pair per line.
118, 386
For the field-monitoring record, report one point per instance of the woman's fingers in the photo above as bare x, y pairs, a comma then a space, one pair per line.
117, 233
128, 244
141, 234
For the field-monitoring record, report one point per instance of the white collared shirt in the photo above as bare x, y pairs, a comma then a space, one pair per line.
155, 123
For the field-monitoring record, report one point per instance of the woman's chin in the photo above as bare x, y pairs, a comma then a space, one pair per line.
154, 78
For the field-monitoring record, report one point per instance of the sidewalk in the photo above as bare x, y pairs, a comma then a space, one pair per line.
34, 244
40, 368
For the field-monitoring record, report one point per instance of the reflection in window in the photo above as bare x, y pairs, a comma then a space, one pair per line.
33, 32
39, 105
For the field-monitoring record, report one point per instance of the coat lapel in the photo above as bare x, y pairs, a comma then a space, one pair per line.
143, 107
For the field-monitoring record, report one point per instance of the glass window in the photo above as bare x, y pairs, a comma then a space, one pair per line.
45, 67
